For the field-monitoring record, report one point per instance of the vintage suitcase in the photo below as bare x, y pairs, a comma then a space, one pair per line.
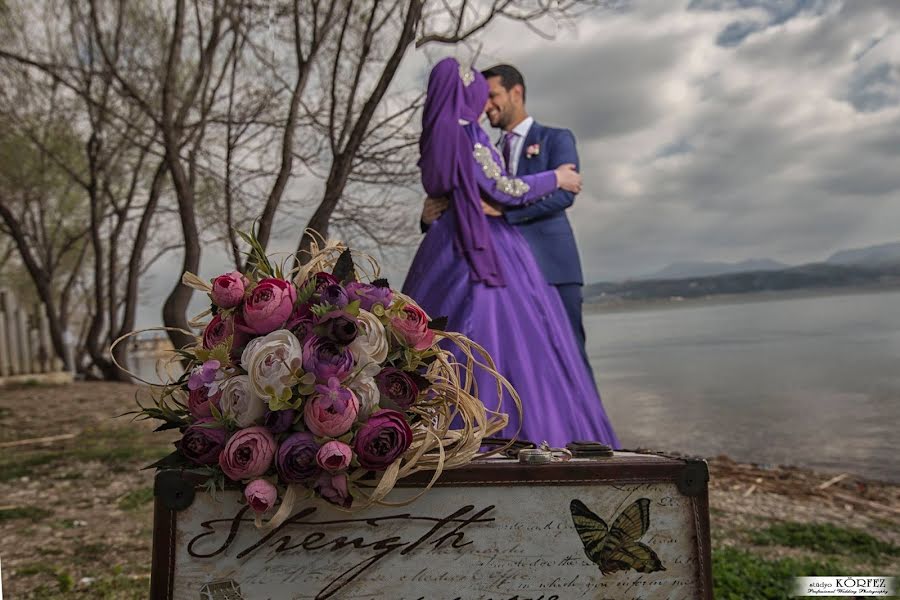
627, 526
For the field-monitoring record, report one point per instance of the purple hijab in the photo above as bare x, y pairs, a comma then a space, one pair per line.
447, 162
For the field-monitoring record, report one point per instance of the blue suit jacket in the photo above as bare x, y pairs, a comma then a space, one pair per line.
544, 223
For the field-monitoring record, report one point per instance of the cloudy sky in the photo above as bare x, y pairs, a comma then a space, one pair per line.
724, 129
716, 130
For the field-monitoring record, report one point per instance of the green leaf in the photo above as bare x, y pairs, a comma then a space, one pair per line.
176, 460
257, 255
352, 309
306, 292
321, 310
438, 324
170, 425
344, 269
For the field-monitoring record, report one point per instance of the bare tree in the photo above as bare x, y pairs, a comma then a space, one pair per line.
107, 162
201, 113
370, 140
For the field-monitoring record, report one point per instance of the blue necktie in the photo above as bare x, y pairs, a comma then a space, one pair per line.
506, 149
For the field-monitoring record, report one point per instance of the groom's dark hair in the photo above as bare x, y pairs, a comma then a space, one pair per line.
509, 77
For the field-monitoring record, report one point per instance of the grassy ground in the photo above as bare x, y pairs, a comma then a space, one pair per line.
75, 518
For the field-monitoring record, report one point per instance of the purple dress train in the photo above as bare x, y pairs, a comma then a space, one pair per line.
507, 306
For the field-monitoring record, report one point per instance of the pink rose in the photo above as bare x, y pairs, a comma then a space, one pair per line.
260, 495
199, 401
332, 410
412, 327
270, 304
334, 456
248, 453
334, 489
228, 289
382, 439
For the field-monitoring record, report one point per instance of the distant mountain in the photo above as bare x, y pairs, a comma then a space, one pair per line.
811, 276
687, 269
871, 256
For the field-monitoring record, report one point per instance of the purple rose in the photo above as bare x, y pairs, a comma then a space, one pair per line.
302, 314
323, 280
248, 453
382, 439
334, 295
398, 389
334, 489
202, 445
228, 290
279, 421
270, 304
338, 326
296, 460
332, 410
326, 359
369, 295
260, 495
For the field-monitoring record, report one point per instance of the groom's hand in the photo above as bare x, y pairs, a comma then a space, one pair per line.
433, 209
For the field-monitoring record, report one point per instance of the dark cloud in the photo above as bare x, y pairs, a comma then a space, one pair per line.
875, 88
606, 89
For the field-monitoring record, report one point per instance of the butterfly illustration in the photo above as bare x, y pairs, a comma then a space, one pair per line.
617, 548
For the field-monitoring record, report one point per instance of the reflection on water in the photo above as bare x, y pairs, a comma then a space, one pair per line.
807, 381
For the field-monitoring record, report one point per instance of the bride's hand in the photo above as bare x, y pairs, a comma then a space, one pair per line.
568, 178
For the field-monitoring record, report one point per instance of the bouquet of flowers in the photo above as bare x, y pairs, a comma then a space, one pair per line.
315, 383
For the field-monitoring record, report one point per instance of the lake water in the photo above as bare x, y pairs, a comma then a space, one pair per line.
811, 381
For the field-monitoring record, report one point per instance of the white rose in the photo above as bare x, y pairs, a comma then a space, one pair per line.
240, 402
372, 340
268, 360
367, 393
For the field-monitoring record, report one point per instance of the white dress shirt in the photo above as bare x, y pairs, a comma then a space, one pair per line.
515, 150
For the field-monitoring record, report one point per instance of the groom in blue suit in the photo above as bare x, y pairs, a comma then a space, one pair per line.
529, 147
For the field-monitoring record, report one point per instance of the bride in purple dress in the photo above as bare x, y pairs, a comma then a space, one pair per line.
479, 271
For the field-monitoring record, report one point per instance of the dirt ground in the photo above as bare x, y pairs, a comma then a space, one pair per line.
76, 518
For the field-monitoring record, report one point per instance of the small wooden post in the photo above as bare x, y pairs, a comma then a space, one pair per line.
12, 334
4, 348
47, 360
25, 353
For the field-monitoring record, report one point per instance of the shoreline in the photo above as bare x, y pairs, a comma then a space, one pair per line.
78, 508
599, 308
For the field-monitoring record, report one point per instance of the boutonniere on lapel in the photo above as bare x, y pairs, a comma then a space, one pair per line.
532, 150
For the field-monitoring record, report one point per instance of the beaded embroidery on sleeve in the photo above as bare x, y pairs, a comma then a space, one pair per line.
508, 185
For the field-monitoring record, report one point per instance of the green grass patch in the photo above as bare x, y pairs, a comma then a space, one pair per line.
119, 448
13, 467
825, 538
742, 575
31, 569
136, 499
107, 587
33, 513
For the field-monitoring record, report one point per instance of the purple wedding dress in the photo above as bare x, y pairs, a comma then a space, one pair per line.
480, 273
